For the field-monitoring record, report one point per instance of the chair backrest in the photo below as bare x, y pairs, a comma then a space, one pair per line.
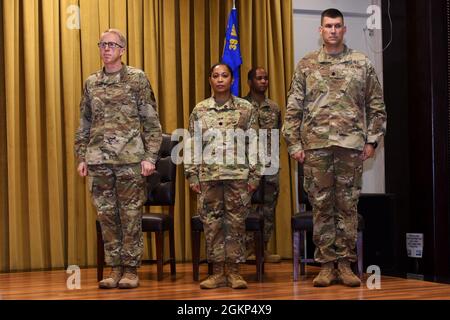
302, 195
161, 184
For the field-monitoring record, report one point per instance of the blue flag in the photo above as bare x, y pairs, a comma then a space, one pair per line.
232, 50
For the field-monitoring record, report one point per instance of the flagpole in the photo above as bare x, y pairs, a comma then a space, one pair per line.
231, 50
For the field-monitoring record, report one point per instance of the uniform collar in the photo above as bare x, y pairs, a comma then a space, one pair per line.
327, 58
105, 78
230, 104
250, 99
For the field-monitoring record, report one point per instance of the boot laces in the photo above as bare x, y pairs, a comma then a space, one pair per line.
236, 276
215, 276
130, 273
326, 271
116, 273
346, 270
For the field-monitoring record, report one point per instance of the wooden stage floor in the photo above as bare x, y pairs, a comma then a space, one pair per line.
277, 285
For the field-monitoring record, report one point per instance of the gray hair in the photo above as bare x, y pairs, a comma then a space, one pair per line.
118, 33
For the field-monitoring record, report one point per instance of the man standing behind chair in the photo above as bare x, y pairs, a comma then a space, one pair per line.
269, 119
116, 146
335, 117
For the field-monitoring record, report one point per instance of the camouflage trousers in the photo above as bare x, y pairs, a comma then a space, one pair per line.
271, 192
223, 207
333, 179
118, 193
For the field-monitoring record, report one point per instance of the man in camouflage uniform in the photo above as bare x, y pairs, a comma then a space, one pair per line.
222, 176
269, 118
335, 117
116, 146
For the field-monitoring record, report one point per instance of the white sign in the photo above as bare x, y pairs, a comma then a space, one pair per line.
414, 245
374, 21
73, 21
374, 281
74, 280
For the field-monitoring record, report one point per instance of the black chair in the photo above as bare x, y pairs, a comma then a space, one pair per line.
254, 223
302, 223
160, 192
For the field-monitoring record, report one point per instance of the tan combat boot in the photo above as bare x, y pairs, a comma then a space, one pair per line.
217, 279
346, 274
250, 254
234, 278
271, 258
251, 257
326, 276
129, 279
113, 280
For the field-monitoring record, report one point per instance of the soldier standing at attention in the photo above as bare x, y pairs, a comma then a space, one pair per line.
335, 117
224, 188
269, 118
116, 146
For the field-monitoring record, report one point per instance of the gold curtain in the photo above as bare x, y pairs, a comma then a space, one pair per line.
47, 50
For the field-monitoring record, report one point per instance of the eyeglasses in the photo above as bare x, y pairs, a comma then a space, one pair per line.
112, 45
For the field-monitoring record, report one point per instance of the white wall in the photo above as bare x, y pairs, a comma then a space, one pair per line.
307, 38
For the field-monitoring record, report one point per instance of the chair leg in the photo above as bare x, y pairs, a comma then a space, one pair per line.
172, 251
303, 248
296, 253
100, 254
159, 254
262, 254
259, 254
262, 248
195, 254
359, 253
210, 268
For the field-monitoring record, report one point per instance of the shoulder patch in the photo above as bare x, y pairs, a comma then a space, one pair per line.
358, 56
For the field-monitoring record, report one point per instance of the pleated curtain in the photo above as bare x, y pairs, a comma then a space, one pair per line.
49, 47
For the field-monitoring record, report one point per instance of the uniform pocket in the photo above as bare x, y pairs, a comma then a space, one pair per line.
340, 79
246, 197
243, 119
203, 201
200, 203
129, 109
355, 80
357, 177
308, 180
313, 87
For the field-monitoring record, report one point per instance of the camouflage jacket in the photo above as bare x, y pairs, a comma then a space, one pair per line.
119, 123
269, 117
334, 101
213, 164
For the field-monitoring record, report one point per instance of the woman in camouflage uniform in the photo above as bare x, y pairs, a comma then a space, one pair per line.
224, 187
